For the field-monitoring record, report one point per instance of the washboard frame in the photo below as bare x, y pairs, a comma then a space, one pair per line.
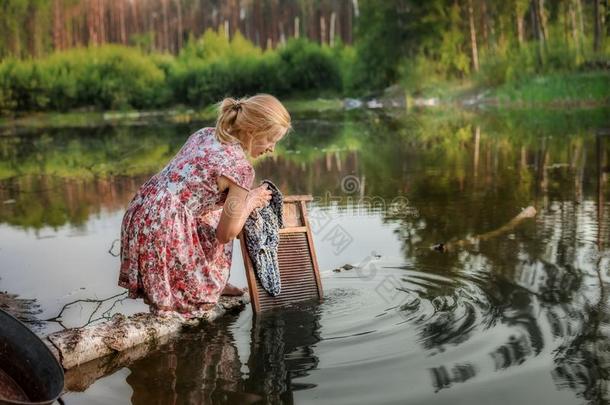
298, 263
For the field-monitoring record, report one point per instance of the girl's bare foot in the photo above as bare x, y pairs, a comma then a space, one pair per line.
230, 289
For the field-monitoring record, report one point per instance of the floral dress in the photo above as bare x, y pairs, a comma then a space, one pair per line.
170, 255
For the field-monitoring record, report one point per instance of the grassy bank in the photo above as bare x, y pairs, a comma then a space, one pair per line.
591, 88
582, 89
557, 89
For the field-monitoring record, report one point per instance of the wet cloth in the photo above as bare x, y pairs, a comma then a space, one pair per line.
170, 255
262, 239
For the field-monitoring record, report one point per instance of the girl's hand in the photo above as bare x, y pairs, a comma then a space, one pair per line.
259, 197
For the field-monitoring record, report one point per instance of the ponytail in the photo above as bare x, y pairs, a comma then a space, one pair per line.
226, 124
259, 114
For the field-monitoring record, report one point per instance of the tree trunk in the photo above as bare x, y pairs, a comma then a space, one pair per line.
57, 25
91, 22
282, 33
135, 15
122, 30
333, 22
520, 30
258, 24
101, 21
484, 23
165, 32
574, 26
521, 7
473, 37
76, 346
234, 20
542, 21
538, 31
272, 26
597, 40
322, 30
180, 27
350, 24
581, 22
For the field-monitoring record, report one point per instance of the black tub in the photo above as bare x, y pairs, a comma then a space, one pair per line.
27, 366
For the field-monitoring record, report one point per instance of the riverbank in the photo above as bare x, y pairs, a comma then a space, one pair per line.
580, 89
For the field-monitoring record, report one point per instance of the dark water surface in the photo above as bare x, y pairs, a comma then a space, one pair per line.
505, 312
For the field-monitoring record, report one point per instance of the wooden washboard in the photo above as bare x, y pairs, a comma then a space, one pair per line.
299, 273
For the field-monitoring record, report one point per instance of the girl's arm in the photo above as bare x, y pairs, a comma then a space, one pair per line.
237, 207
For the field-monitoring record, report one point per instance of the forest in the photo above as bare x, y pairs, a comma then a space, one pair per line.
60, 55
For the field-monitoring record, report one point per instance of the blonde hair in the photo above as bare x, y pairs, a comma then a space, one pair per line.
259, 114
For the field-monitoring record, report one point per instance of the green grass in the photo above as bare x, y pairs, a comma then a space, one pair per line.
590, 88
319, 104
565, 88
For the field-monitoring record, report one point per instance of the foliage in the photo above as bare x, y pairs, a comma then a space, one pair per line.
106, 77
206, 70
423, 43
388, 32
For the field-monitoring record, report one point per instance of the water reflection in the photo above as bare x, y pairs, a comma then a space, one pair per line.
523, 303
204, 365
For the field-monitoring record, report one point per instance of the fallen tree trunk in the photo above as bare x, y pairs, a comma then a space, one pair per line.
81, 377
76, 346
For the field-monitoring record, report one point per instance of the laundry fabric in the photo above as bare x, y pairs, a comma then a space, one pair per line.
262, 239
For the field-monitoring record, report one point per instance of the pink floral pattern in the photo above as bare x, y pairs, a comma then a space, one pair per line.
169, 252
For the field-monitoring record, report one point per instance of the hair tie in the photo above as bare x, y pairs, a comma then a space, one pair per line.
237, 106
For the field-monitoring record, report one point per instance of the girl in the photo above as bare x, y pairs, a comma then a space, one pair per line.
176, 235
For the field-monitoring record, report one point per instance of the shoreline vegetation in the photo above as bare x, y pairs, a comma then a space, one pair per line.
473, 54
580, 90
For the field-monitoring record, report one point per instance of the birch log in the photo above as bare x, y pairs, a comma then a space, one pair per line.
81, 377
76, 346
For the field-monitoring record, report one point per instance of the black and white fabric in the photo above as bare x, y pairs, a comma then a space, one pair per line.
262, 239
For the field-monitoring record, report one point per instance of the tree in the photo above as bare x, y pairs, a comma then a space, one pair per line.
389, 31
597, 18
473, 37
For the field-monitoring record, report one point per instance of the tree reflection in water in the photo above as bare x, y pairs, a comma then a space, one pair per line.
539, 292
559, 282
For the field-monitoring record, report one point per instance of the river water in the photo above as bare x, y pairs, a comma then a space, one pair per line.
452, 300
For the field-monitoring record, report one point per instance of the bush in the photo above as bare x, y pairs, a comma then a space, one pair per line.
107, 77
119, 77
212, 68
22, 85
206, 70
306, 66
346, 59
520, 63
